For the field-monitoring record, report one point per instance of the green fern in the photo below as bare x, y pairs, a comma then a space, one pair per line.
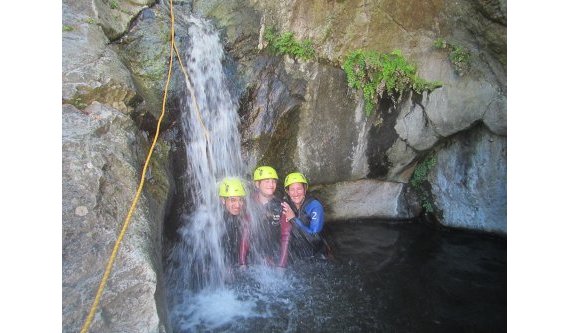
459, 56
287, 44
113, 4
419, 177
376, 74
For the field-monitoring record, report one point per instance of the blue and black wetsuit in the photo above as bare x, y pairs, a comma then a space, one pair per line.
307, 239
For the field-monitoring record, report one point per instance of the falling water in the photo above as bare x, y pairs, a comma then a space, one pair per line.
197, 271
209, 124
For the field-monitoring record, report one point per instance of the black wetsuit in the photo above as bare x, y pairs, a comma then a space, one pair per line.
274, 232
236, 239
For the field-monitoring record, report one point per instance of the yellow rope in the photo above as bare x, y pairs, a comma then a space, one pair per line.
87, 323
192, 94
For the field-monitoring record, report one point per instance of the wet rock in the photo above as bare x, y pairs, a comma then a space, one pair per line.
145, 51
469, 183
90, 70
323, 138
115, 16
366, 198
100, 175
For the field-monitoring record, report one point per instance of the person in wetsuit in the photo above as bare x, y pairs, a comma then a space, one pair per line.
306, 215
236, 236
274, 228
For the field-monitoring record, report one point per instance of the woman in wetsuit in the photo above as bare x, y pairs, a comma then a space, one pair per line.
306, 215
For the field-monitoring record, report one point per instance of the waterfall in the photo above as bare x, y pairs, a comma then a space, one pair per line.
212, 143
204, 291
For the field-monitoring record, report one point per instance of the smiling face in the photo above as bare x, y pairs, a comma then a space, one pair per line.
297, 192
266, 188
233, 205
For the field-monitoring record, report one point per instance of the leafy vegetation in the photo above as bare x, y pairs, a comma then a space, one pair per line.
113, 4
421, 171
67, 28
377, 74
419, 177
90, 20
286, 43
458, 55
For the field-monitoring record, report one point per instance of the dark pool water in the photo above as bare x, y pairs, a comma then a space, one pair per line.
385, 277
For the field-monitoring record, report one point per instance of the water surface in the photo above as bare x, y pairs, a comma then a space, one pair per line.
385, 277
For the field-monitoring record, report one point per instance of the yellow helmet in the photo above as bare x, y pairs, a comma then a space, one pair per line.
295, 177
232, 187
264, 172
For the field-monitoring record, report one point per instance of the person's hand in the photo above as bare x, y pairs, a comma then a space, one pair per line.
287, 211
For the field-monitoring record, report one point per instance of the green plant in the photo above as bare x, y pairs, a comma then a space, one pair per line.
67, 28
375, 74
461, 59
419, 177
286, 43
459, 56
422, 170
113, 4
90, 20
440, 43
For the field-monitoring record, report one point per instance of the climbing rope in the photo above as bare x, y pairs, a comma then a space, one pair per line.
89, 319
192, 94
207, 146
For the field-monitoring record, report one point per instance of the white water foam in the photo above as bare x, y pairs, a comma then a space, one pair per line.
205, 293
210, 131
212, 309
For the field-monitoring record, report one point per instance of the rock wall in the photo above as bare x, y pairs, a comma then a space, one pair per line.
100, 173
104, 145
468, 182
300, 115
366, 199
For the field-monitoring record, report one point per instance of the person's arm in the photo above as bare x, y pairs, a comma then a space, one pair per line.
316, 213
285, 233
244, 243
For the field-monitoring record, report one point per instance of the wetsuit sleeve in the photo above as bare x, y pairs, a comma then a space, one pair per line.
316, 214
285, 233
244, 242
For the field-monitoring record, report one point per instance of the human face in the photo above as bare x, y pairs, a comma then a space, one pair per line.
267, 187
296, 192
233, 205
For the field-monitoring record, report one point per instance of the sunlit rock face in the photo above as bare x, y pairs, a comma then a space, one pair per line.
102, 155
103, 150
313, 122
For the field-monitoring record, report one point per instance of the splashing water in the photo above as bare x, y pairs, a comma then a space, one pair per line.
209, 126
197, 270
211, 310
257, 295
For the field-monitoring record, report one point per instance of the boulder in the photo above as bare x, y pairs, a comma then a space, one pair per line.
102, 158
91, 71
367, 198
115, 16
469, 183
